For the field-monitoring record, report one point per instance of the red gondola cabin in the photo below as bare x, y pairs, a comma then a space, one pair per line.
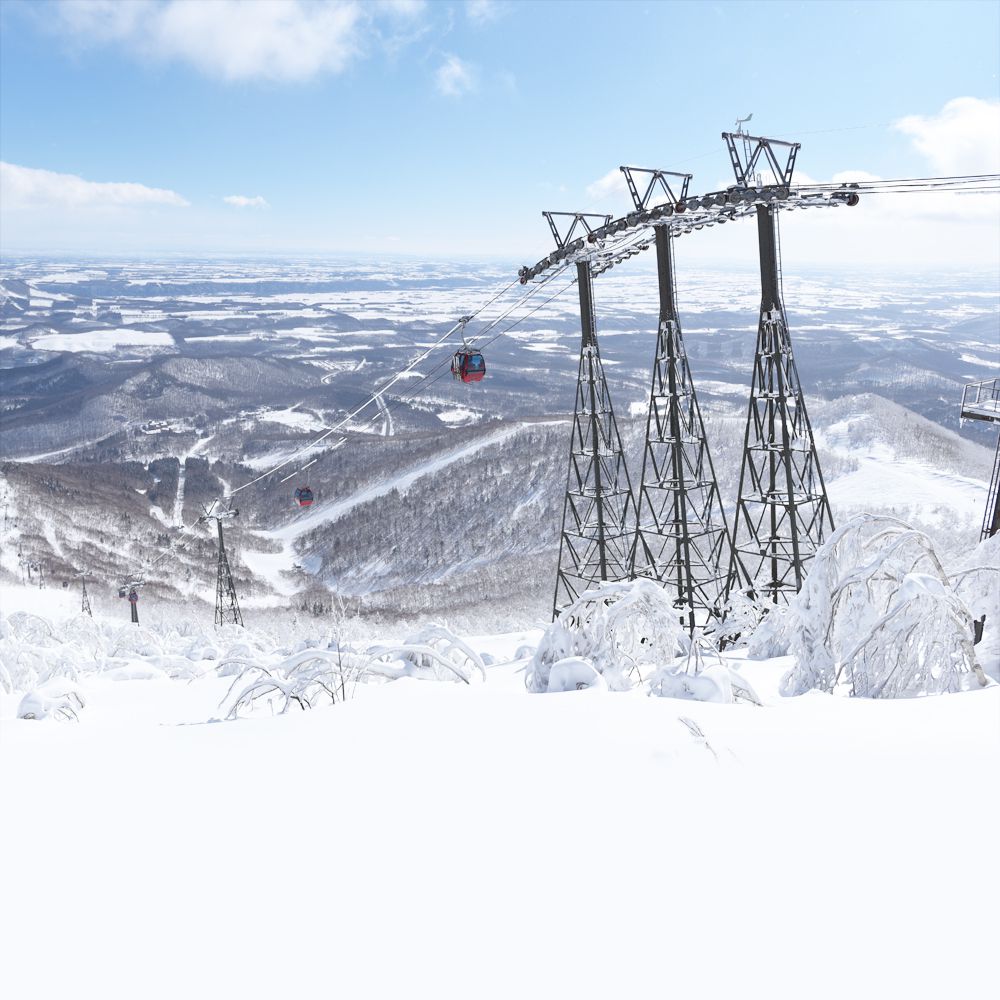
469, 366
304, 496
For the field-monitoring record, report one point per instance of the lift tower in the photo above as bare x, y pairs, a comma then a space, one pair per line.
599, 511
227, 606
782, 511
84, 597
681, 539
981, 401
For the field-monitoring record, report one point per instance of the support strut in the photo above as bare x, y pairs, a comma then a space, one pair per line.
599, 514
782, 512
227, 607
682, 539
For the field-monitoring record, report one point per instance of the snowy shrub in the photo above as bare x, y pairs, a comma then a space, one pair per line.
702, 676
434, 651
306, 679
773, 637
624, 630
574, 674
977, 583
56, 700
742, 617
878, 617
312, 676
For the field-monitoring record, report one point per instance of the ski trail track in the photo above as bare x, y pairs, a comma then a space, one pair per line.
272, 565
198, 446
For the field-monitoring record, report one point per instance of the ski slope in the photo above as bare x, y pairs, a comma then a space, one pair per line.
272, 566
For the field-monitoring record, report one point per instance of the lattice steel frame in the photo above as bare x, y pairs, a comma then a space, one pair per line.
682, 539
782, 510
227, 605
599, 513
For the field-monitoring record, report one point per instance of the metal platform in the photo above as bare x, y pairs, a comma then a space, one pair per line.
981, 400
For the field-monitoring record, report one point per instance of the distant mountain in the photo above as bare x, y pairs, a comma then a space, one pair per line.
134, 394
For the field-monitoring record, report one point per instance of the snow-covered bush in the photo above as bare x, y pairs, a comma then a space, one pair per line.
306, 679
702, 676
313, 676
741, 618
434, 651
877, 616
977, 582
625, 631
773, 637
574, 674
58, 700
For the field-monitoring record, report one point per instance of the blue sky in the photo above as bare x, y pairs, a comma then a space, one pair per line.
445, 128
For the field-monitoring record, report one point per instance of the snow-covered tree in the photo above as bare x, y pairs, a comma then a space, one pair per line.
702, 675
624, 630
877, 616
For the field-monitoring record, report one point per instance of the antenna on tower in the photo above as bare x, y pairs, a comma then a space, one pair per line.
741, 133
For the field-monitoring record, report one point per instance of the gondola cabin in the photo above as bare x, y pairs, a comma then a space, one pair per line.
469, 366
304, 496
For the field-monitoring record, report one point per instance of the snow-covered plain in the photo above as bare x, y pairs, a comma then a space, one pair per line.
474, 840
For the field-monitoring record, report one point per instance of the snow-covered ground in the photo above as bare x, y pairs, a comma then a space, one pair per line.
98, 341
473, 840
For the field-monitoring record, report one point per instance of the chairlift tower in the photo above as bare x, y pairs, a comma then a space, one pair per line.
981, 401
681, 539
227, 606
782, 510
84, 597
599, 514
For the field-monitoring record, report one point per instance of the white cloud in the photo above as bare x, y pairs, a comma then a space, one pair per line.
454, 77
244, 201
481, 12
28, 187
613, 182
402, 8
964, 138
282, 40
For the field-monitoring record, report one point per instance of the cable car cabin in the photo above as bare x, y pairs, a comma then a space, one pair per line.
469, 366
304, 496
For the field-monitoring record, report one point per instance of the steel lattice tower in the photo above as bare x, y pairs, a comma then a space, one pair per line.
782, 511
599, 512
682, 539
227, 605
84, 598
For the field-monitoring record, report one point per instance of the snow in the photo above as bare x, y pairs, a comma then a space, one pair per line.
473, 840
99, 341
883, 478
293, 417
6, 343
329, 512
458, 415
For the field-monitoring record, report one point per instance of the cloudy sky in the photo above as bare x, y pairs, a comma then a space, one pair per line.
444, 128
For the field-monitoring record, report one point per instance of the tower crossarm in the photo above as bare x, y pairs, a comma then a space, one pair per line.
653, 181
747, 152
606, 241
578, 220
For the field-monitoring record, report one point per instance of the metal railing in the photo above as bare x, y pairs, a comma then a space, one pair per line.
981, 400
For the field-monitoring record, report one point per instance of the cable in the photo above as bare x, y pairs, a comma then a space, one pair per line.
187, 528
